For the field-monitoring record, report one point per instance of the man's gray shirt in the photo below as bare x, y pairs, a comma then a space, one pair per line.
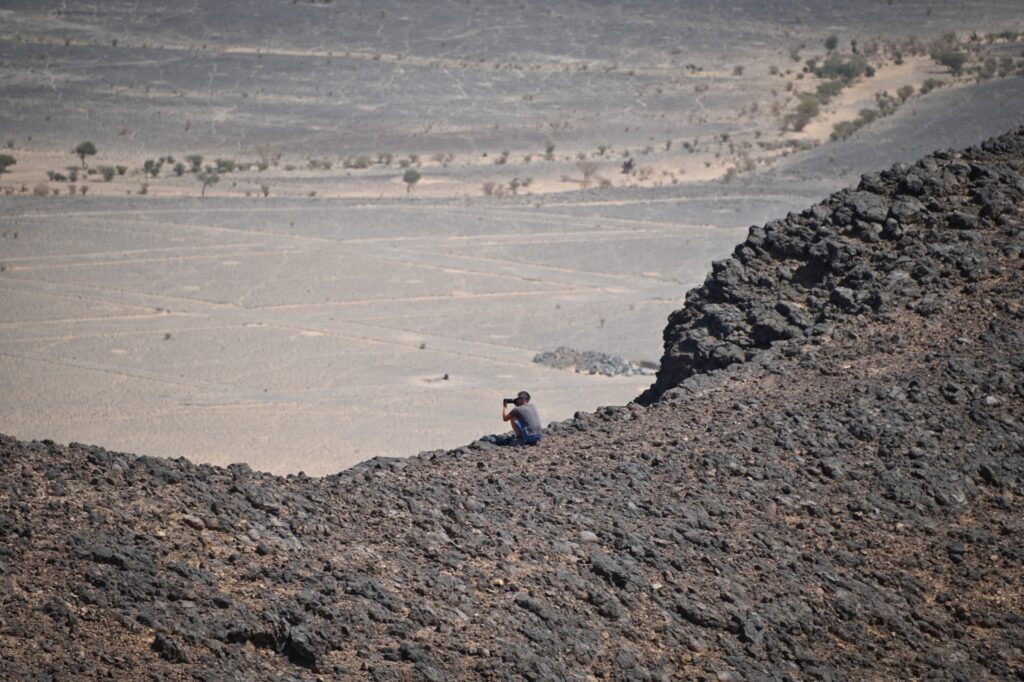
528, 416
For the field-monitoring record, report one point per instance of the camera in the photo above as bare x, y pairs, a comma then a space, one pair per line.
508, 401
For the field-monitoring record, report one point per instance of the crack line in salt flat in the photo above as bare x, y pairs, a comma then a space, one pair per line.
420, 299
138, 261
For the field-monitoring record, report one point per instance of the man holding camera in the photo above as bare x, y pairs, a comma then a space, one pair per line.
524, 417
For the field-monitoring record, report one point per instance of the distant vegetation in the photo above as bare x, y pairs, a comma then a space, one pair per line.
85, 149
954, 60
208, 178
6, 161
410, 178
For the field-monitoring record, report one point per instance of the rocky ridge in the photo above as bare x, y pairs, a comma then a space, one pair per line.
827, 484
589, 362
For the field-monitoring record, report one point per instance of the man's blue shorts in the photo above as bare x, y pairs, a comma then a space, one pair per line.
527, 439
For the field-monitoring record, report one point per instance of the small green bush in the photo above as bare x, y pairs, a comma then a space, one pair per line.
6, 161
108, 173
905, 92
954, 60
196, 160
930, 85
831, 42
808, 108
829, 89
837, 66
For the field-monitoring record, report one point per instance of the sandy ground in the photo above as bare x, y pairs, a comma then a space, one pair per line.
312, 328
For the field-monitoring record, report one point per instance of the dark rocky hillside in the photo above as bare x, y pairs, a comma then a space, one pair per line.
828, 483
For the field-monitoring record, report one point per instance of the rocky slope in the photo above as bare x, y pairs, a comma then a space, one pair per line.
827, 484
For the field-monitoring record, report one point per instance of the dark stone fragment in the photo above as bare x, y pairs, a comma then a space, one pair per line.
962, 221
867, 206
168, 649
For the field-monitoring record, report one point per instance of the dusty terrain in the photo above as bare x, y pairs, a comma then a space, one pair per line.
827, 485
301, 315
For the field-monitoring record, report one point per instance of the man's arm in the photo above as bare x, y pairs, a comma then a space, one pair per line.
507, 415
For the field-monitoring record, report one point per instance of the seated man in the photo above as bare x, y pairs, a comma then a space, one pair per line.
525, 419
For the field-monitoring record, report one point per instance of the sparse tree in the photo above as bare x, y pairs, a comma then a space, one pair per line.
411, 177
208, 178
588, 168
954, 60
85, 149
196, 160
831, 42
6, 161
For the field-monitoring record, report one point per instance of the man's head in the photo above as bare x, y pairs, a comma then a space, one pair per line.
522, 398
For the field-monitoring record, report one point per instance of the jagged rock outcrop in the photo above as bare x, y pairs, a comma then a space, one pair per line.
902, 239
847, 503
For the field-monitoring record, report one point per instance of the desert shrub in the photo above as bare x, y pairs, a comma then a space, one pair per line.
265, 189
385, 158
502, 158
41, 190
737, 70
151, 167
226, 165
954, 60
831, 42
869, 115
179, 169
72, 173
808, 108
887, 104
829, 89
988, 69
358, 162
121, 170
488, 188
83, 189
108, 173
404, 163
549, 151
846, 68
930, 85
196, 161
85, 149
6, 161
905, 92
144, 188
843, 129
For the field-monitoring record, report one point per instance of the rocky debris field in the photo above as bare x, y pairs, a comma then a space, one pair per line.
828, 484
589, 362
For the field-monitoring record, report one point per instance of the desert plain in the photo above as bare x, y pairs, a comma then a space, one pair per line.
410, 204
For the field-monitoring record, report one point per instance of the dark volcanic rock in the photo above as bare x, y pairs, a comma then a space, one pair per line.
828, 484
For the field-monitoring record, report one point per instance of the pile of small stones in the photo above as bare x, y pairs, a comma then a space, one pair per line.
829, 485
589, 362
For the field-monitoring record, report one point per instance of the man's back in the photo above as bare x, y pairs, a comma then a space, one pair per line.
529, 418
